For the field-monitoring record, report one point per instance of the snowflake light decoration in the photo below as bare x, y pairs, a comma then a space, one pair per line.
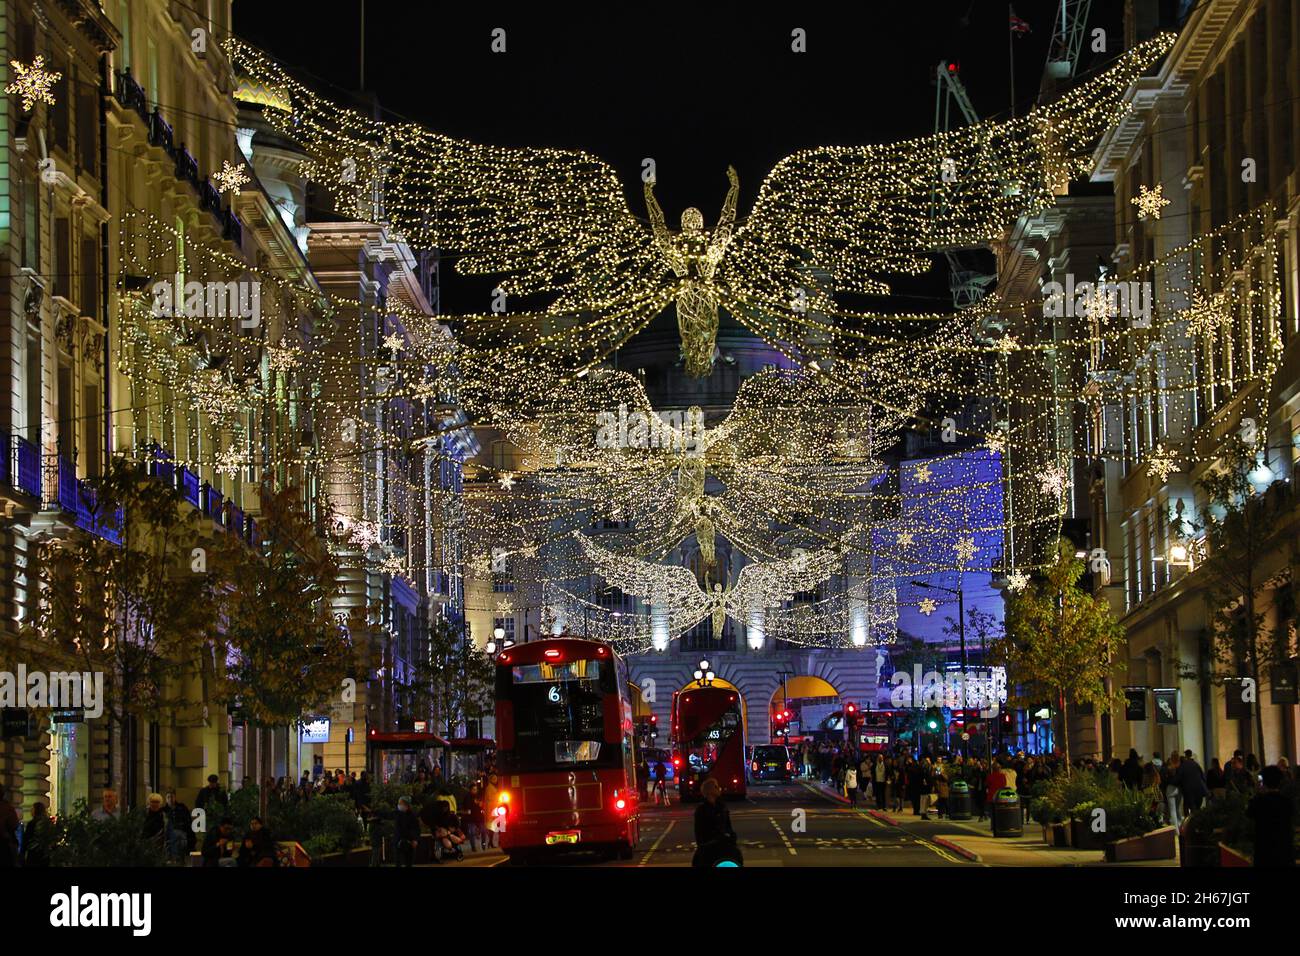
1101, 303
906, 539
1208, 314
365, 535
394, 342
1006, 345
928, 606
1017, 581
1150, 201
1162, 463
230, 461
506, 481
965, 549
231, 179
392, 565
282, 358
1053, 481
996, 442
32, 83
923, 474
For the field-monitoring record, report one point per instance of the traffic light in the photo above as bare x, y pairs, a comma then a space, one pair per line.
933, 719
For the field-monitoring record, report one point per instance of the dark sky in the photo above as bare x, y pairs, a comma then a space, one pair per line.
696, 86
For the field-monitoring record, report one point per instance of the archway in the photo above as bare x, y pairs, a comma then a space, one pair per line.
809, 699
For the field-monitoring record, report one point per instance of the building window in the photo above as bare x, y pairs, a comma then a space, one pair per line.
502, 584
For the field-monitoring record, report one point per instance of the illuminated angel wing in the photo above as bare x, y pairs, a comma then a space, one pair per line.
548, 221
831, 219
671, 587
768, 583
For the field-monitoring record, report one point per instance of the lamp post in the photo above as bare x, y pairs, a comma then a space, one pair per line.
703, 675
961, 633
498, 639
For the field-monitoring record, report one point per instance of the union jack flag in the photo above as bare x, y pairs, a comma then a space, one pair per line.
1018, 25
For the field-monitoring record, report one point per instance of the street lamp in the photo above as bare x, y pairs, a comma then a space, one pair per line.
498, 638
703, 675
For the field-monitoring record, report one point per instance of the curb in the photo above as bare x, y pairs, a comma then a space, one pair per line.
883, 817
957, 848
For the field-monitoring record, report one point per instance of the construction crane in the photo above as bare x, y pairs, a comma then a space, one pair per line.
1067, 38
967, 285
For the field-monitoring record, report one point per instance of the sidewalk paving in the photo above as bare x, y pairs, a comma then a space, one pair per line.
974, 840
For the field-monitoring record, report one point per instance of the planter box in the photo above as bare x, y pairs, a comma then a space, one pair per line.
1083, 838
357, 857
1200, 854
1157, 845
1230, 857
1057, 834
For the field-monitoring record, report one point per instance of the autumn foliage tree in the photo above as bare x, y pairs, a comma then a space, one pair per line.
286, 656
1242, 531
135, 611
1061, 640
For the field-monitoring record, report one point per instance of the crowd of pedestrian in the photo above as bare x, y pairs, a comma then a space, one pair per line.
1181, 785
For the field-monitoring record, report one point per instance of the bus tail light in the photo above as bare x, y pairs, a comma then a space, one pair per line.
789, 765
620, 803
754, 766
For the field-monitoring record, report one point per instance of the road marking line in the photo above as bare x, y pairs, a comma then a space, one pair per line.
939, 850
784, 839
654, 846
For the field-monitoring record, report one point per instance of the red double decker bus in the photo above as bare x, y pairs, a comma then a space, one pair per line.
564, 750
708, 737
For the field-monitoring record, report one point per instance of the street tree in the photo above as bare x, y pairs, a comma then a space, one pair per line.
1242, 529
1062, 641
452, 681
135, 611
287, 655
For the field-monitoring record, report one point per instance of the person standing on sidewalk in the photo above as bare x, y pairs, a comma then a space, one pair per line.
851, 785
1173, 793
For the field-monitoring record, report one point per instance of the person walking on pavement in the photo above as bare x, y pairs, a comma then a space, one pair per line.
9, 823
1191, 781
212, 797
407, 836
38, 838
661, 786
1172, 791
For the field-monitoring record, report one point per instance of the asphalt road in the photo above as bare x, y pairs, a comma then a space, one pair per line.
782, 824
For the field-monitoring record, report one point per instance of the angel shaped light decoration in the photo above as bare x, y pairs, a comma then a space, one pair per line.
828, 221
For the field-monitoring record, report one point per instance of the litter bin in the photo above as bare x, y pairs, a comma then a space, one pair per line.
1007, 820
959, 803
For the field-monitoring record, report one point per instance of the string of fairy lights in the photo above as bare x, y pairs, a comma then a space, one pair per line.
788, 512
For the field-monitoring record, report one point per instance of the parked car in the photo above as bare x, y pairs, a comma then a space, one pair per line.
771, 762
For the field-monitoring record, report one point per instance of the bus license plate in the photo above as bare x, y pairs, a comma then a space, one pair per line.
563, 836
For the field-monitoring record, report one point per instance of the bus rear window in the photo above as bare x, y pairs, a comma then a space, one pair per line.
544, 673
559, 715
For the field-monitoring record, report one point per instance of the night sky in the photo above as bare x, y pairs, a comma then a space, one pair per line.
695, 86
